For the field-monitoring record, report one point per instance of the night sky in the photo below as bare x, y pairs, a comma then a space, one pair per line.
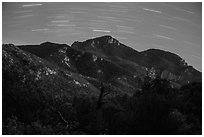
175, 27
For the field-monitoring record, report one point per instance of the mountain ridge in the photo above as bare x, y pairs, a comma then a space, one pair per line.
55, 86
157, 58
105, 58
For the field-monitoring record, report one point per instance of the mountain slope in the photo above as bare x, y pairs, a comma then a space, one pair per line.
91, 66
46, 48
107, 46
28, 79
57, 89
161, 63
105, 58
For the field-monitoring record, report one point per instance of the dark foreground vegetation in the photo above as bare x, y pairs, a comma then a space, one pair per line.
156, 109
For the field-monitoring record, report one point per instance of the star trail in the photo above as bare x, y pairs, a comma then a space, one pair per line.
176, 27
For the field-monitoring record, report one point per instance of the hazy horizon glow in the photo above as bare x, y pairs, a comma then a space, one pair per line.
174, 27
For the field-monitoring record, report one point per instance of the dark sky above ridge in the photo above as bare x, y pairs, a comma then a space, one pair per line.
175, 27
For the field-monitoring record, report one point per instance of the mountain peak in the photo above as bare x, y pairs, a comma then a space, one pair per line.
97, 42
104, 37
51, 44
107, 39
47, 43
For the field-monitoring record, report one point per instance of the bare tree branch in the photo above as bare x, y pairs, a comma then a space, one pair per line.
67, 123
